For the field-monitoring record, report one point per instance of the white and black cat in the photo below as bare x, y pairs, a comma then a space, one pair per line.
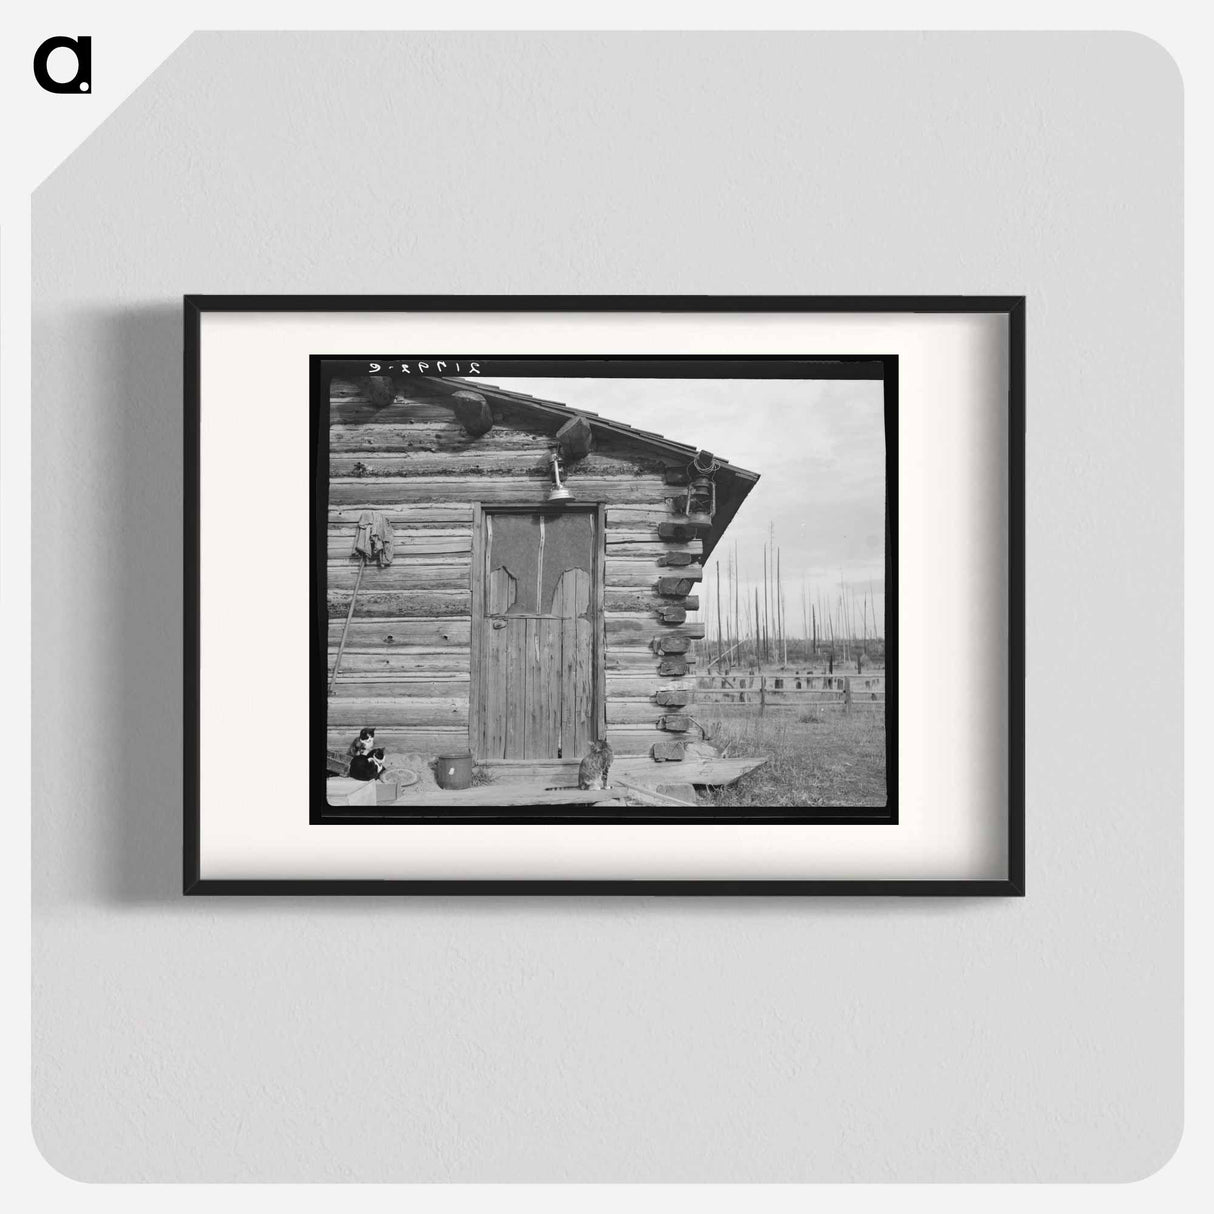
363, 744
368, 766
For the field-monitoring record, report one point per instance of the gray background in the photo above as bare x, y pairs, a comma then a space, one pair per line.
629, 1039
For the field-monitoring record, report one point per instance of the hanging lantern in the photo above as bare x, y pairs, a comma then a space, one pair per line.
558, 492
700, 503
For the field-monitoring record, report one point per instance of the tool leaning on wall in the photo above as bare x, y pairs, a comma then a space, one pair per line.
372, 544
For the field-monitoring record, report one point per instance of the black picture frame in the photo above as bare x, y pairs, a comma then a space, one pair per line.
1011, 307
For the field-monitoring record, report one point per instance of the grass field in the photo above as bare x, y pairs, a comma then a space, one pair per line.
832, 759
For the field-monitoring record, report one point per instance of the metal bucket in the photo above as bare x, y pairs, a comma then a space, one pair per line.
454, 770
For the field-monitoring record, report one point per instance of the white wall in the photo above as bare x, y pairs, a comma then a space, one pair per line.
624, 1039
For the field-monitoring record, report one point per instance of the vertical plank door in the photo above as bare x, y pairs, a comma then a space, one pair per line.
537, 650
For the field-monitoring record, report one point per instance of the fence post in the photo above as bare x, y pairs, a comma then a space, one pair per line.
762, 693
847, 693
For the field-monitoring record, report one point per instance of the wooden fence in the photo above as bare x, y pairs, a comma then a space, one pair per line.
744, 694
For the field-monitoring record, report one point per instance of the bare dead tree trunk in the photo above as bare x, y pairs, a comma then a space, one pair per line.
758, 627
720, 642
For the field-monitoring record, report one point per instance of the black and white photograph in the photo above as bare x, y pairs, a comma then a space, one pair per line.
607, 594
603, 589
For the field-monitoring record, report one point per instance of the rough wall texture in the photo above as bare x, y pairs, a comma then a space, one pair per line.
410, 646
629, 1039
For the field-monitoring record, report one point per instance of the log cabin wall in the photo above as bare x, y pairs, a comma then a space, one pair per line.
407, 664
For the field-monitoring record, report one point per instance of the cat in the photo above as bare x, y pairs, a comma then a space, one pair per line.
363, 744
593, 769
368, 766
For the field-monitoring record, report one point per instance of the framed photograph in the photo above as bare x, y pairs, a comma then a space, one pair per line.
604, 595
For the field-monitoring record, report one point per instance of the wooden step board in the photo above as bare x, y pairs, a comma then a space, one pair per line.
505, 794
562, 773
705, 773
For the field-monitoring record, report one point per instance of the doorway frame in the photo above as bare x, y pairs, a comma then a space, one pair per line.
480, 553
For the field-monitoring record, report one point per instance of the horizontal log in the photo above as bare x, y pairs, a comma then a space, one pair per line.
672, 615
630, 684
676, 722
340, 541
385, 493
645, 629
624, 571
405, 558
376, 438
397, 390
454, 574
415, 514
634, 650
410, 660
407, 532
395, 633
633, 712
651, 549
408, 710
412, 604
640, 661
636, 535
398, 739
416, 382
677, 559
675, 667
633, 598
440, 685
644, 515
477, 461
673, 699
359, 409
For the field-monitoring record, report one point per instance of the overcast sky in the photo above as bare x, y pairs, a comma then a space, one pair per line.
818, 445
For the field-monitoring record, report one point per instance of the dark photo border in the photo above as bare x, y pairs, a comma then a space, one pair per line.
883, 368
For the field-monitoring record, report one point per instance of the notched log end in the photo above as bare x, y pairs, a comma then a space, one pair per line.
682, 530
379, 389
675, 587
674, 644
575, 439
472, 412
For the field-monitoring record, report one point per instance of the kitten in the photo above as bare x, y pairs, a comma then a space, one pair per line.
593, 769
369, 766
363, 744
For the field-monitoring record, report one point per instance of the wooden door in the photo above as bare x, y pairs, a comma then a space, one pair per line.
537, 635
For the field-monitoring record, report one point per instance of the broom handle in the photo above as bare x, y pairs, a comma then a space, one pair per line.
362, 564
